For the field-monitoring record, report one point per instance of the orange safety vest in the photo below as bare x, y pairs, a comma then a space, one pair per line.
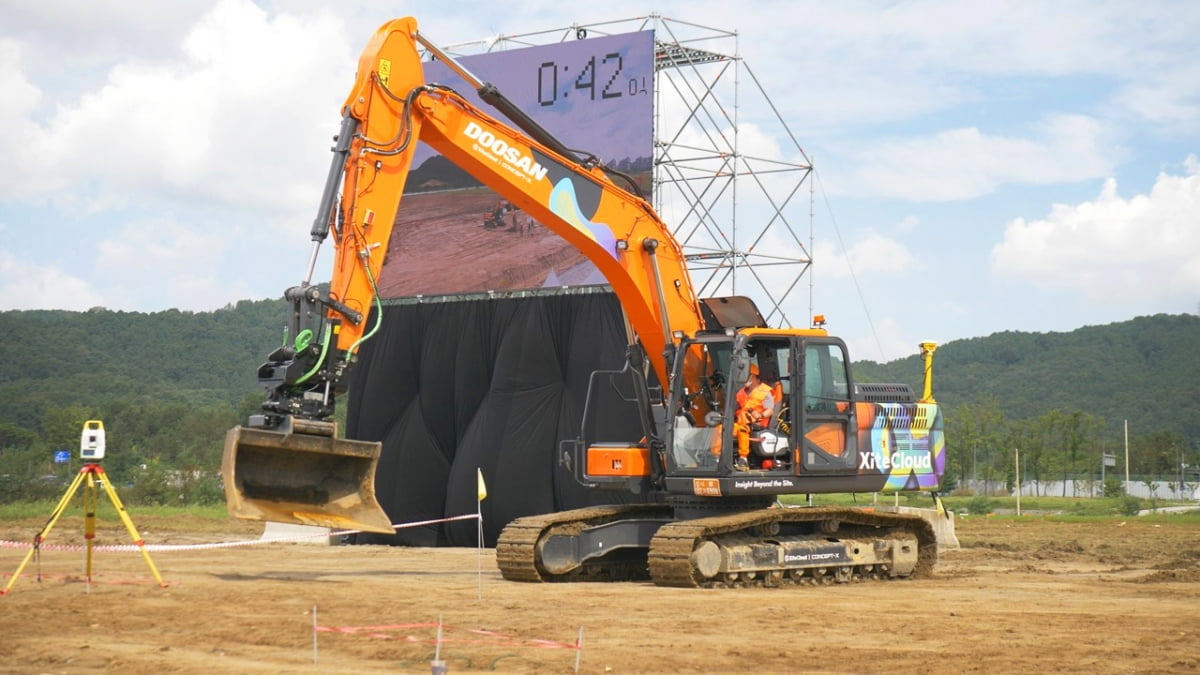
752, 414
754, 402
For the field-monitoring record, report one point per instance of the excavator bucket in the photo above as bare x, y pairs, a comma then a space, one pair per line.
302, 473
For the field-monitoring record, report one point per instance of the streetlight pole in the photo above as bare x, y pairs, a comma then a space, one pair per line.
1126, 456
1179, 453
1103, 460
1017, 464
974, 467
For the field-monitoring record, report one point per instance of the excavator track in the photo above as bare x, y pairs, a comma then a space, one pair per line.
748, 549
773, 547
520, 548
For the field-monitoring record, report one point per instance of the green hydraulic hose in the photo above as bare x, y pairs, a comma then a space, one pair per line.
324, 350
378, 315
354, 347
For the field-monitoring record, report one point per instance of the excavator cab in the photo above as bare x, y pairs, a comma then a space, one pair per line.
709, 434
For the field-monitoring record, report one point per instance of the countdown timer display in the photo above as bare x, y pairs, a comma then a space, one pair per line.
594, 94
605, 77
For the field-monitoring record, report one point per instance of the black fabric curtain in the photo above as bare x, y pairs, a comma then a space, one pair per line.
493, 384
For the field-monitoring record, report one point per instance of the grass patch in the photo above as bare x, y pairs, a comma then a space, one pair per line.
1048, 507
105, 510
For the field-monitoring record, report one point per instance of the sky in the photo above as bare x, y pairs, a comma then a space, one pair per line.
979, 167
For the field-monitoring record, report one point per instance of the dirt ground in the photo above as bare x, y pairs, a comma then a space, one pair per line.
1025, 595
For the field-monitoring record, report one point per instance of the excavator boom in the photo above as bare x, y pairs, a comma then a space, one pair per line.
288, 464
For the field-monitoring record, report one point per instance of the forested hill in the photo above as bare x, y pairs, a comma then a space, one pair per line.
1146, 371
56, 359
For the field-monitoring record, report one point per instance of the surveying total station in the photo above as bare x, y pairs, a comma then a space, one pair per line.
91, 443
92, 478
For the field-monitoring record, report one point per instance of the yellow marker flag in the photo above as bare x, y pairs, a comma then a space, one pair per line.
482, 487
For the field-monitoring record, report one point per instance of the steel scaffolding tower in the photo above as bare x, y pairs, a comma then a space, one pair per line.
739, 216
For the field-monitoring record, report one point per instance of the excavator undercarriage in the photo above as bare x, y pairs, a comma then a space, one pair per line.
768, 547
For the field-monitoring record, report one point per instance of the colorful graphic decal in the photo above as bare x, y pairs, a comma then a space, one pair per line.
565, 205
904, 442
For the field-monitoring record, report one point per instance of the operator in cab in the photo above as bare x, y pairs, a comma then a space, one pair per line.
756, 404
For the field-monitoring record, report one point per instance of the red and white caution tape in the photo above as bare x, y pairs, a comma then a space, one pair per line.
388, 633
132, 548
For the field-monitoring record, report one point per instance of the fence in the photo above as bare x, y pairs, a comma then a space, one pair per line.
1145, 487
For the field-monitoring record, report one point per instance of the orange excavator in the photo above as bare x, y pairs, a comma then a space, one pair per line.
709, 473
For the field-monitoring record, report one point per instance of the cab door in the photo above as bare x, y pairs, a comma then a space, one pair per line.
827, 415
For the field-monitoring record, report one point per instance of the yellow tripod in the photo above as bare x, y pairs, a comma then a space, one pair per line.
88, 476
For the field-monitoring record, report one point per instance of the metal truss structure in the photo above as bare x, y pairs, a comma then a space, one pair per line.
740, 217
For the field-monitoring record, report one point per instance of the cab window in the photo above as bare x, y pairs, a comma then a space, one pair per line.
825, 378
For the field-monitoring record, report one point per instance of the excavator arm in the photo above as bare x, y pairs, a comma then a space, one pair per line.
288, 464
618, 231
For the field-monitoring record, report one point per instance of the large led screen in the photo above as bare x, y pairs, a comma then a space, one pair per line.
455, 236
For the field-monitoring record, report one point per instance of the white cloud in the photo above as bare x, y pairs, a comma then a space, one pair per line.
161, 263
862, 63
870, 256
884, 340
1144, 250
67, 30
1169, 98
20, 99
966, 163
26, 285
215, 116
20, 96
240, 116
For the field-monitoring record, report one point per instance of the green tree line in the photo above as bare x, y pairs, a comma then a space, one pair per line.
169, 384
1066, 399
